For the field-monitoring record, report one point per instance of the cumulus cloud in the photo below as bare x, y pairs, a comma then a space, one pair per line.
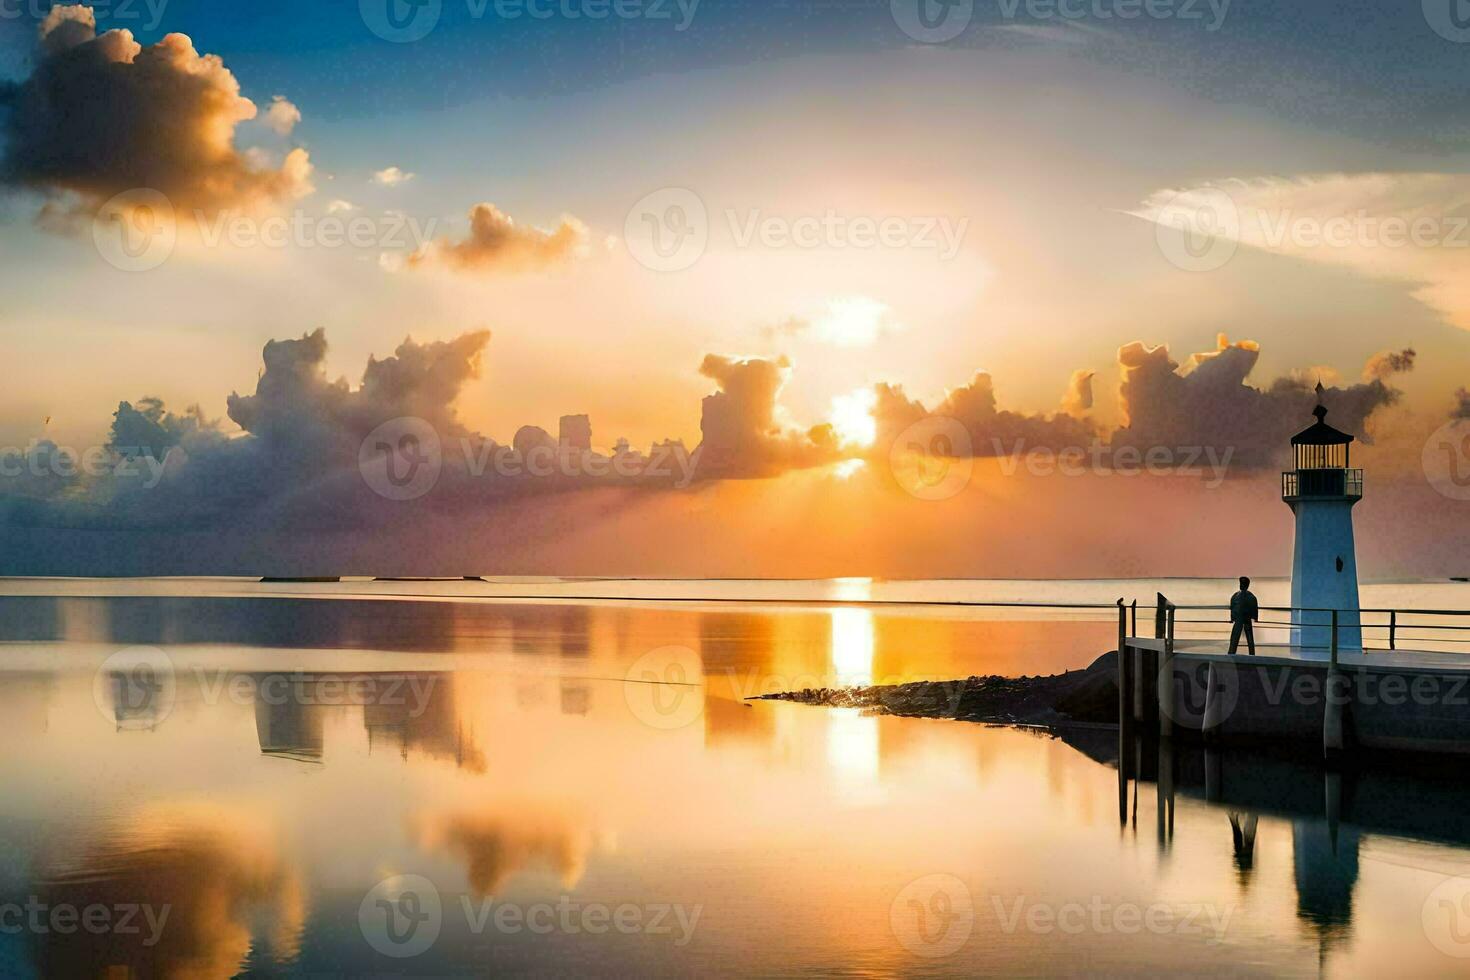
497, 243
148, 429
1462, 404
101, 114
298, 413
1410, 227
340, 206
743, 434
1077, 402
392, 176
1385, 364
282, 116
1207, 403
992, 431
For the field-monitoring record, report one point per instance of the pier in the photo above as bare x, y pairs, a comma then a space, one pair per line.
1410, 694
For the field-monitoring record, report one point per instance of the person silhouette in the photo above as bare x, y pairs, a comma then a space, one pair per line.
1244, 610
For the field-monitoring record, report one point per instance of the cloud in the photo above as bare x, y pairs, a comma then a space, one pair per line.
992, 431
1462, 404
1208, 404
100, 115
282, 116
1385, 364
743, 435
1410, 227
340, 206
148, 429
1077, 402
392, 177
497, 243
297, 413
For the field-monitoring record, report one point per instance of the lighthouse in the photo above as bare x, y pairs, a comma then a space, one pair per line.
1321, 492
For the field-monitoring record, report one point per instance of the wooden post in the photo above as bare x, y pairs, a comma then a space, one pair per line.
1393, 628
1166, 677
1125, 662
1334, 639
1135, 617
1159, 614
1332, 714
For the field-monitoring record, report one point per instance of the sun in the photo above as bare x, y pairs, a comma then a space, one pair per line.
852, 418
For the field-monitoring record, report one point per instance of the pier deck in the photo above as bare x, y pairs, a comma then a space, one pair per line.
1400, 698
1289, 653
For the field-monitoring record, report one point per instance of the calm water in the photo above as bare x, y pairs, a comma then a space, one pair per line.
278, 779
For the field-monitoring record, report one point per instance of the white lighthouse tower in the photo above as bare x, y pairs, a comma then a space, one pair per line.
1321, 492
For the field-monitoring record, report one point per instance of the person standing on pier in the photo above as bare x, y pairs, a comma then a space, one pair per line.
1244, 611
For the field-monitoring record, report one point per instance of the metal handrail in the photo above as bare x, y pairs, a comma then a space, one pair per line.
1166, 618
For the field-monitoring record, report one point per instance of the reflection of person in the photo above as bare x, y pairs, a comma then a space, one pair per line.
1244, 610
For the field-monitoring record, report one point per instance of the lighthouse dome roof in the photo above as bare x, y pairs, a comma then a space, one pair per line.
1320, 433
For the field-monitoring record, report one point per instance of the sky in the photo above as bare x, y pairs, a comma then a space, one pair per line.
782, 234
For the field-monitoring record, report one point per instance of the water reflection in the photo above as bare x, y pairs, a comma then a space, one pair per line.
275, 788
185, 891
1327, 816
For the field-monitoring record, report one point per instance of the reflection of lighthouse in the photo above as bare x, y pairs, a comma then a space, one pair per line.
1321, 491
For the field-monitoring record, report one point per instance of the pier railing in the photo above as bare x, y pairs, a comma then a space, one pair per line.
1383, 631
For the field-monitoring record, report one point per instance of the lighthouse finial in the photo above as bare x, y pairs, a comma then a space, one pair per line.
1321, 410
